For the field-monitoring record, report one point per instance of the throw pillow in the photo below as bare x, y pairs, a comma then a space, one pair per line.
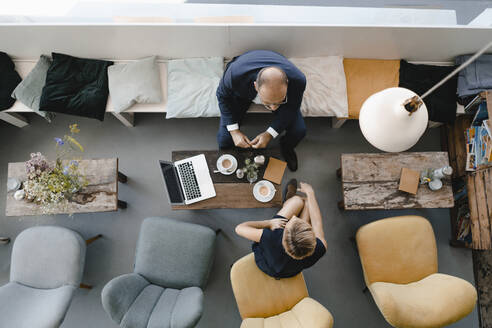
191, 87
367, 76
326, 88
76, 86
441, 104
9, 79
135, 82
29, 90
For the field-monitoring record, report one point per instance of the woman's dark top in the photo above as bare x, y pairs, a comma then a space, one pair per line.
272, 259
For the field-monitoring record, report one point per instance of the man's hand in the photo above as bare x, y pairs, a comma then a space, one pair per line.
240, 139
261, 140
277, 224
306, 188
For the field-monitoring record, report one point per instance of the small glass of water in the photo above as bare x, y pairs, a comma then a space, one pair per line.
252, 176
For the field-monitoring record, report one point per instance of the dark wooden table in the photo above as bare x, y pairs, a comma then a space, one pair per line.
370, 181
100, 195
231, 191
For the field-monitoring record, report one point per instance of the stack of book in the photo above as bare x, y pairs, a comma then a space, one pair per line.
479, 140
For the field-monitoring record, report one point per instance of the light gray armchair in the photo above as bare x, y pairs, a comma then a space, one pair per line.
172, 263
46, 268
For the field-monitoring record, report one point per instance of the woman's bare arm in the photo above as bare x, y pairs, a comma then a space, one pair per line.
253, 230
314, 212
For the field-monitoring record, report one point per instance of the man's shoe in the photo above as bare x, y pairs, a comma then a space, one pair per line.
290, 157
290, 190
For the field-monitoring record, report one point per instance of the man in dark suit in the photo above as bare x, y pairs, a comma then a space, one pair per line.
268, 78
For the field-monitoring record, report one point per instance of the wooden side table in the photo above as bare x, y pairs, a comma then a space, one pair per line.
101, 194
370, 181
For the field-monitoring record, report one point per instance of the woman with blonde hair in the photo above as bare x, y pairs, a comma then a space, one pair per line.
292, 240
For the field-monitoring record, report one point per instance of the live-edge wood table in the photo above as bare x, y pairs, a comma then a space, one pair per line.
231, 192
100, 195
370, 181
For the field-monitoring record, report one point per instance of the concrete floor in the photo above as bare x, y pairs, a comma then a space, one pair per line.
335, 281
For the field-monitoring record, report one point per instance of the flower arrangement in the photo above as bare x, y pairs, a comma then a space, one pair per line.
52, 185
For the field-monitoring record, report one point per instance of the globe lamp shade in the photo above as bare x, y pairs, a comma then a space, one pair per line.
388, 125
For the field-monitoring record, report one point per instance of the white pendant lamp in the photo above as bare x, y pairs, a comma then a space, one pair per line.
387, 125
394, 119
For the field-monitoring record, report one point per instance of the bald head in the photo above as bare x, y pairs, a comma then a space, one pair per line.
271, 84
271, 76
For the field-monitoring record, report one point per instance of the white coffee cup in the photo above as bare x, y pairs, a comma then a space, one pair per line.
227, 164
264, 191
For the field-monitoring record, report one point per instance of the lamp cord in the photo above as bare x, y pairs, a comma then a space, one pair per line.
453, 73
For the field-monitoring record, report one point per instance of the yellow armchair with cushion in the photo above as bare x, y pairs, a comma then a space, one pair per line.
265, 302
399, 262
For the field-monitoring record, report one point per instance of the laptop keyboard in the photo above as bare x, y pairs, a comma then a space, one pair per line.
188, 177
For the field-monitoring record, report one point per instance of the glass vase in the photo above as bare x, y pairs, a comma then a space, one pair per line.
252, 176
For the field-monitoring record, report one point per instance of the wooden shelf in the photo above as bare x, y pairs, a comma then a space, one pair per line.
478, 183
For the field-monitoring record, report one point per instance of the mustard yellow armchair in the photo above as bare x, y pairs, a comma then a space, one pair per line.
265, 302
399, 262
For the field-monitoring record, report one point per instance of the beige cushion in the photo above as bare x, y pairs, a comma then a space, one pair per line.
134, 82
306, 314
326, 90
191, 87
399, 250
259, 295
435, 301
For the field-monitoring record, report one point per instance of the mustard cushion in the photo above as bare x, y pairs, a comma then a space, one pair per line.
398, 250
306, 314
435, 301
367, 76
259, 295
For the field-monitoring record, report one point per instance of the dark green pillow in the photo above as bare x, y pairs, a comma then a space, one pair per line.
76, 86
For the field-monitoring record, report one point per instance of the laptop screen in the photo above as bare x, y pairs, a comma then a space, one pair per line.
172, 182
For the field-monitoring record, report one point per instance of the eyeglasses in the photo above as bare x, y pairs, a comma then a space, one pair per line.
268, 106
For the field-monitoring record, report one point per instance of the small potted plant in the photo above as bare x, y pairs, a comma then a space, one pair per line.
251, 170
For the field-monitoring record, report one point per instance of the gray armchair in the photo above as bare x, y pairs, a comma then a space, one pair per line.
172, 263
46, 268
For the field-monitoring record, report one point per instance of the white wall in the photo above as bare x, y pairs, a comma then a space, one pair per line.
103, 11
187, 40
277, 14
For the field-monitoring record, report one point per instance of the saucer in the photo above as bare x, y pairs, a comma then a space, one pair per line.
223, 170
261, 198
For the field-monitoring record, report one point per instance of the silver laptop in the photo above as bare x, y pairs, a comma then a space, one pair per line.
187, 181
